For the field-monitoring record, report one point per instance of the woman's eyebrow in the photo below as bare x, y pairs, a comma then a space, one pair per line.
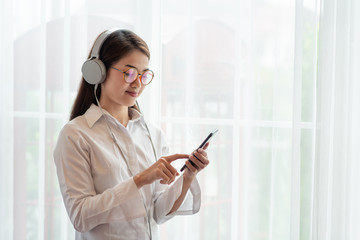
128, 65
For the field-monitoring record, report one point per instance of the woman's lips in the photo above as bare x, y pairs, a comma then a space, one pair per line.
133, 94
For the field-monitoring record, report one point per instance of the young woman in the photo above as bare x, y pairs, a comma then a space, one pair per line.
115, 176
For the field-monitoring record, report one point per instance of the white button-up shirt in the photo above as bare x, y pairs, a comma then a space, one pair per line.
97, 183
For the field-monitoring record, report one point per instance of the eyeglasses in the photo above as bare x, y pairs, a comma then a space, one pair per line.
132, 74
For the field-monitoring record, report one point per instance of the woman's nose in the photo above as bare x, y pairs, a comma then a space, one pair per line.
137, 81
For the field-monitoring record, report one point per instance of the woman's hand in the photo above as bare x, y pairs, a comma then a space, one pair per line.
200, 160
160, 170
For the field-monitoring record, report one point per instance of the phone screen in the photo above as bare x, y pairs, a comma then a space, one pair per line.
207, 139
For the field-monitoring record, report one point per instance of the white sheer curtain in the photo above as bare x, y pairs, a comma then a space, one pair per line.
278, 78
337, 159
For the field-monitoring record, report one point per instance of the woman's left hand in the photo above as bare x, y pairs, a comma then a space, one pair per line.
200, 160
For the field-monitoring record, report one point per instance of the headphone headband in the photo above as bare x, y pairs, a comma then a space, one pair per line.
99, 42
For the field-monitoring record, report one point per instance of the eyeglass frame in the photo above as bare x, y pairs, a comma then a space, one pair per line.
137, 74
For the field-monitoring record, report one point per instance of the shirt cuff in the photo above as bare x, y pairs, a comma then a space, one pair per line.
190, 205
192, 201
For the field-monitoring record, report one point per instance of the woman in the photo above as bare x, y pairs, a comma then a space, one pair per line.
113, 183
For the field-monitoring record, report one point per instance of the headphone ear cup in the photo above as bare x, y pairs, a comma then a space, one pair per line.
94, 71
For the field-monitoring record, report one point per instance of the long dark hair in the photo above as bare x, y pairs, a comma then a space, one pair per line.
116, 46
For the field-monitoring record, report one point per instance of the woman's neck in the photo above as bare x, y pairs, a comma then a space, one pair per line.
120, 113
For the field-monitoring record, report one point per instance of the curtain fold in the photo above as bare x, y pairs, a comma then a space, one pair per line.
337, 139
6, 122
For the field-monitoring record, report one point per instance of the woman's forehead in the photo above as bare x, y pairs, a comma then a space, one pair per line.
135, 59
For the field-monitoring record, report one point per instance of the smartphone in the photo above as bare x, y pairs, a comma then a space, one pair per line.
207, 139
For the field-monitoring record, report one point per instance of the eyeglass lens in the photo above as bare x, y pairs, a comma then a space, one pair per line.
131, 74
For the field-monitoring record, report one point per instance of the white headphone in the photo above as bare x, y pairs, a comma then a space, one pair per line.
93, 69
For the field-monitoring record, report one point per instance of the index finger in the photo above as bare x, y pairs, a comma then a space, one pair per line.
206, 146
174, 157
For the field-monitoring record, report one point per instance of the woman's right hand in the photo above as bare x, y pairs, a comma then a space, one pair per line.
160, 170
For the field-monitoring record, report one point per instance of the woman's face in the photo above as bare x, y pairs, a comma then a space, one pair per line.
115, 92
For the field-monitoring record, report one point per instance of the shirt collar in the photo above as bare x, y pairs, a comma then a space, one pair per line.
135, 115
93, 114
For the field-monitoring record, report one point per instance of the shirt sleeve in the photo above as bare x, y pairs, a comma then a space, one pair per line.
165, 196
85, 207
